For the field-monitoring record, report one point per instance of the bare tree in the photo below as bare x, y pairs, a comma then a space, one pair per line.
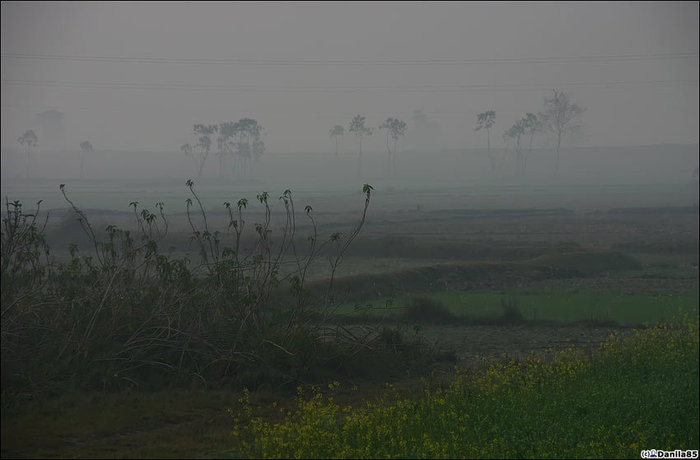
559, 118
30, 140
336, 131
486, 120
85, 147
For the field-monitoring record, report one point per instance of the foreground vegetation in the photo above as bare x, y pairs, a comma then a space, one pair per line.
193, 423
134, 343
122, 313
637, 392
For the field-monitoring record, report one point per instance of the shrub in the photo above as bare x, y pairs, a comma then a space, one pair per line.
511, 313
426, 310
121, 313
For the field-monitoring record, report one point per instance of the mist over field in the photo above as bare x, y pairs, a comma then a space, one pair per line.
266, 203
113, 179
134, 79
137, 77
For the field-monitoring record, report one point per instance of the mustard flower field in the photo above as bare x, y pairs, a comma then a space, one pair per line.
638, 391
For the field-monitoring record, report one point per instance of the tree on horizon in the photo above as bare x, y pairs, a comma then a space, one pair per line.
485, 120
558, 119
85, 147
30, 140
336, 131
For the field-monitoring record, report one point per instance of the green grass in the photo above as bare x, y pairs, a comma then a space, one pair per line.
638, 392
557, 306
671, 271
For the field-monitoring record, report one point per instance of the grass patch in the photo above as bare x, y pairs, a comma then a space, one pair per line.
564, 307
412, 247
587, 263
636, 392
670, 245
661, 271
563, 264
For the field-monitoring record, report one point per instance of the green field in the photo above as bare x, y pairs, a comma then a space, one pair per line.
560, 306
638, 392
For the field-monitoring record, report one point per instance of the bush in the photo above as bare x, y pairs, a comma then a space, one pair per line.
426, 310
123, 314
511, 313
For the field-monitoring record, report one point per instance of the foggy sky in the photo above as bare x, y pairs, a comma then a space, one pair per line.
318, 64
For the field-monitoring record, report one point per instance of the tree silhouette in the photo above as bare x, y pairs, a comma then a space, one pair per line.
242, 140
532, 126
558, 118
358, 128
336, 131
85, 147
394, 128
486, 120
187, 150
227, 137
203, 143
30, 140
220, 152
514, 133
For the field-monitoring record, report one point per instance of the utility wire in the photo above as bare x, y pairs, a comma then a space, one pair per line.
353, 62
439, 88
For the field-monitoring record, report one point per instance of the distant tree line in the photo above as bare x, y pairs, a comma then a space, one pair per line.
30, 140
394, 128
558, 118
241, 141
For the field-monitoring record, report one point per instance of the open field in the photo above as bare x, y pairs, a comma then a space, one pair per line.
573, 406
519, 270
562, 307
350, 230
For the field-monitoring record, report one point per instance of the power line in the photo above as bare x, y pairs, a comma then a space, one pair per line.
340, 89
354, 62
323, 114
